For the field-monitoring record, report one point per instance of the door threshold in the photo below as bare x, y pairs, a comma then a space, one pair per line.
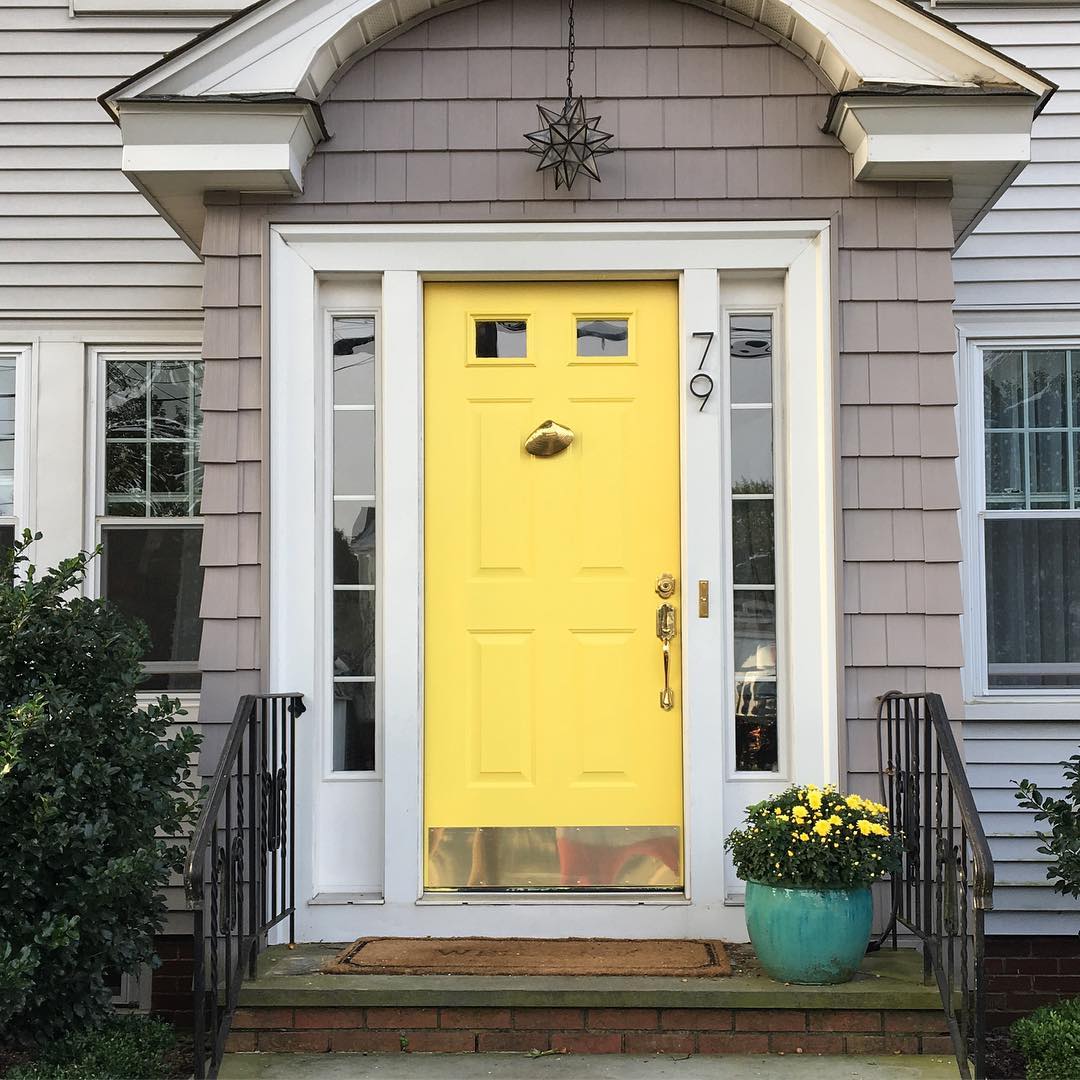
547, 899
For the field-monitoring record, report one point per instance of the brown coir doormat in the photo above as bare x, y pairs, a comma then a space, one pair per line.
530, 956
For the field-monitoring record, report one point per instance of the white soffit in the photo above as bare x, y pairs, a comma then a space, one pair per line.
296, 48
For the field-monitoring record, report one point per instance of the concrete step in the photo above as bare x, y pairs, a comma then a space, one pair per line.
292, 1007
596, 1067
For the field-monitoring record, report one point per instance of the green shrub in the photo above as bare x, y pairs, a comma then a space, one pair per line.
91, 790
123, 1048
1062, 843
1050, 1041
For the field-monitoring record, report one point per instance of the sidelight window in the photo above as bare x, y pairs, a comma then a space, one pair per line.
753, 543
353, 674
149, 507
1030, 517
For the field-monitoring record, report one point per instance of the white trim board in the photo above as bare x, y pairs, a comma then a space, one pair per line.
402, 257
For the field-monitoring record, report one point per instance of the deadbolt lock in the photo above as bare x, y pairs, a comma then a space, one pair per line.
665, 586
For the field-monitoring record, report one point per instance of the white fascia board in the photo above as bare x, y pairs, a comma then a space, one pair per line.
175, 152
296, 46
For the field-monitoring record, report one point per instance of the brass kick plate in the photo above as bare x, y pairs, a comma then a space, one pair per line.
703, 599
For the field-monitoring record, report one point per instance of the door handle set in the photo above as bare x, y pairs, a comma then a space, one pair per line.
665, 631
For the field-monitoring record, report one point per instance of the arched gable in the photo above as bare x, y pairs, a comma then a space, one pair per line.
239, 108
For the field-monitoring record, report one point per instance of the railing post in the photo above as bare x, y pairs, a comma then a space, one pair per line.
979, 1027
253, 830
198, 986
291, 781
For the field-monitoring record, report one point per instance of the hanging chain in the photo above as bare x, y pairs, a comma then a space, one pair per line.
570, 54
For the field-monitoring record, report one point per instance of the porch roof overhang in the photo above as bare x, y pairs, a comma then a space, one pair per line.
237, 107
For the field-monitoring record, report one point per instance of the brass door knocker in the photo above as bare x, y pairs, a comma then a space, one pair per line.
548, 439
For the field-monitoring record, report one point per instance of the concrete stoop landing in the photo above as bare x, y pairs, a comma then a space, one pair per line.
594, 1067
292, 1008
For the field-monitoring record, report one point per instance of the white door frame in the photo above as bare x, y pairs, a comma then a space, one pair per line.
402, 257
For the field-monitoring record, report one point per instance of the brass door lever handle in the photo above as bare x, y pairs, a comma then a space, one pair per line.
665, 631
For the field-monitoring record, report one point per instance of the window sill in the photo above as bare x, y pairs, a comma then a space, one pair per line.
1050, 706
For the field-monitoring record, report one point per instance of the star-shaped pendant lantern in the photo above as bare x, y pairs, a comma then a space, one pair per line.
569, 142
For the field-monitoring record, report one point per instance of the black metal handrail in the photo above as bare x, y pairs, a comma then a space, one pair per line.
945, 883
240, 875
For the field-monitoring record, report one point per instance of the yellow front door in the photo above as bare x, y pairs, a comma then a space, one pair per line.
551, 761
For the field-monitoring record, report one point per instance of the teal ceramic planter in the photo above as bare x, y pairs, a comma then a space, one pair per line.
813, 936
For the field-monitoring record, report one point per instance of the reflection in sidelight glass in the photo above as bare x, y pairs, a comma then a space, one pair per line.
495, 338
354, 451
354, 727
603, 337
753, 544
751, 358
354, 544
354, 610
354, 361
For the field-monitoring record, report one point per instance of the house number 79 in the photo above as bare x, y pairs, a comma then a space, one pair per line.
701, 382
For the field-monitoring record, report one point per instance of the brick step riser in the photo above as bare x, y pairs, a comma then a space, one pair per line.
588, 1030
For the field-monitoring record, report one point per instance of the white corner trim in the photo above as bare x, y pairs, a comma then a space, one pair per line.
175, 152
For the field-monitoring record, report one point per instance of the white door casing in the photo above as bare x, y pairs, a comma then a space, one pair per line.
340, 860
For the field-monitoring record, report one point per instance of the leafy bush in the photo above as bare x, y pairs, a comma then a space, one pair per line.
124, 1048
91, 791
1050, 1040
1062, 843
810, 837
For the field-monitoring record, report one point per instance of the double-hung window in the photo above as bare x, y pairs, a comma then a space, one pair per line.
1029, 520
149, 503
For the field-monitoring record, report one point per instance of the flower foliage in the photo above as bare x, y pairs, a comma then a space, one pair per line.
95, 795
811, 837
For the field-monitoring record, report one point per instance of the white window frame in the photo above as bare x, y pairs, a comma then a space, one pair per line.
1016, 332
22, 516
403, 257
95, 456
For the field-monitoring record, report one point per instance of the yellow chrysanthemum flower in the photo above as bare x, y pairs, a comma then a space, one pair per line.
854, 802
799, 813
834, 820
814, 799
864, 826
822, 828
803, 836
